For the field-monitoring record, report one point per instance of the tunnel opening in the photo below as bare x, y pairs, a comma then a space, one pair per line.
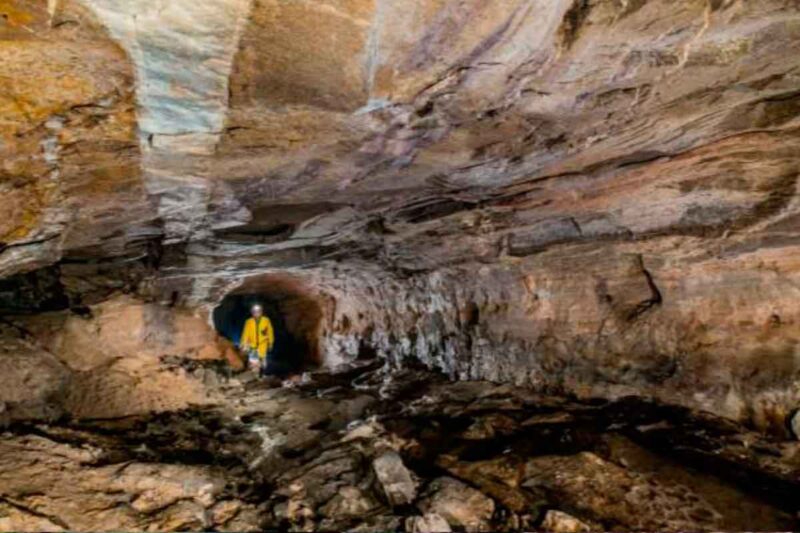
296, 316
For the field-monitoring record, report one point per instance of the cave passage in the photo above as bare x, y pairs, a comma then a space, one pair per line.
295, 319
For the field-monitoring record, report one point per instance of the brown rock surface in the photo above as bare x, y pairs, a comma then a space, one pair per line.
123, 358
298, 458
68, 140
594, 198
34, 381
460, 505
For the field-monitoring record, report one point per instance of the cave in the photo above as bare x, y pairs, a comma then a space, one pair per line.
295, 314
532, 265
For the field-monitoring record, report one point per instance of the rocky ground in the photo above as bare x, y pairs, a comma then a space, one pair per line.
368, 450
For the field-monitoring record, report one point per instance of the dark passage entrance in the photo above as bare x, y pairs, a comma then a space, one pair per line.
295, 315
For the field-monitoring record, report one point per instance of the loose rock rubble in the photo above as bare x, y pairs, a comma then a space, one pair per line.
395, 479
559, 522
425, 457
459, 504
598, 197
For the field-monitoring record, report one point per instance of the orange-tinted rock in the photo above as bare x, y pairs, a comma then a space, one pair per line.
70, 172
116, 360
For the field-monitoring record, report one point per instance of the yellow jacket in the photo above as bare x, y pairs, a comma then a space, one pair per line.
260, 338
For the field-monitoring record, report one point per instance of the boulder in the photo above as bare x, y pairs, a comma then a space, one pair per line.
348, 502
395, 479
459, 504
560, 522
428, 523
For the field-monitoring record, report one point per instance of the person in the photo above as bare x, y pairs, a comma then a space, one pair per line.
258, 337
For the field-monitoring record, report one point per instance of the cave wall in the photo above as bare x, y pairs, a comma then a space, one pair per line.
120, 358
589, 196
69, 150
598, 321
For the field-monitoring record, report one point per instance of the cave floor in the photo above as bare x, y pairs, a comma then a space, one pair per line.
366, 450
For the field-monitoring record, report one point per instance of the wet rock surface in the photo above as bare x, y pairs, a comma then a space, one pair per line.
408, 451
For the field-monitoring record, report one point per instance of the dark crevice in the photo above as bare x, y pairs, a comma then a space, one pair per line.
254, 234
432, 209
655, 298
25, 509
22, 244
573, 20
34, 292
